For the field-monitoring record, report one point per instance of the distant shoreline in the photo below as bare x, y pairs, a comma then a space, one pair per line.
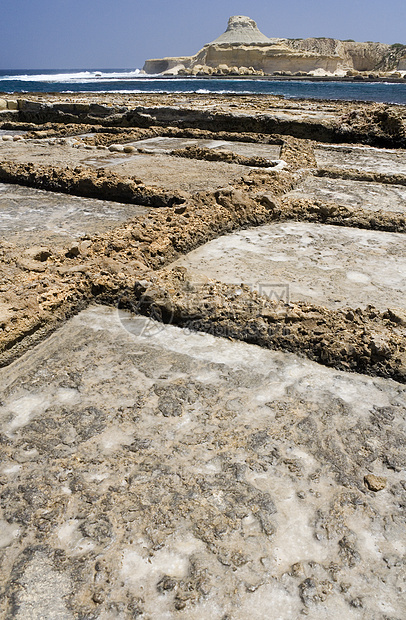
389, 90
277, 78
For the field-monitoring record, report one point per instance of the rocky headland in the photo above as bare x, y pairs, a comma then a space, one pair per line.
243, 50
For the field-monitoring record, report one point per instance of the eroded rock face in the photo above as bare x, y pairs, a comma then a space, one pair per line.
243, 49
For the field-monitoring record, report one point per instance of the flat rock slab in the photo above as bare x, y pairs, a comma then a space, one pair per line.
247, 149
152, 472
171, 173
370, 196
59, 218
11, 132
156, 170
363, 158
231, 103
325, 265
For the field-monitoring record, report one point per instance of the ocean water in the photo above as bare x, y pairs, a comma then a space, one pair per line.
132, 81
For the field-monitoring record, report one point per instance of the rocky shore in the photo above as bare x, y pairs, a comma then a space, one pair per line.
202, 342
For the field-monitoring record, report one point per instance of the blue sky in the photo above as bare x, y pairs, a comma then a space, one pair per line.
65, 34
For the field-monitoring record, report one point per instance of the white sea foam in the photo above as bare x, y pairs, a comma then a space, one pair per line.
132, 81
78, 76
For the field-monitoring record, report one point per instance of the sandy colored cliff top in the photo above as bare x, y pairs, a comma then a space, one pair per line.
241, 29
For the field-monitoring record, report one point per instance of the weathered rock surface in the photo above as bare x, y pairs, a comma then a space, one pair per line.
321, 264
362, 159
57, 219
351, 193
162, 474
172, 456
138, 116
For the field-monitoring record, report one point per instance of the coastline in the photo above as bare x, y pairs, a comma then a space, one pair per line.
320, 88
274, 78
260, 78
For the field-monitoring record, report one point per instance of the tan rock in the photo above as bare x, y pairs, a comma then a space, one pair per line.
116, 148
160, 65
397, 315
269, 201
30, 265
6, 312
374, 483
38, 253
3, 104
196, 69
12, 104
174, 70
84, 246
205, 70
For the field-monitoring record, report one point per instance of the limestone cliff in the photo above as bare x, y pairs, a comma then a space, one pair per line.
244, 49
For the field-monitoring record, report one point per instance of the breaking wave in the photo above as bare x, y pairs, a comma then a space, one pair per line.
83, 77
134, 81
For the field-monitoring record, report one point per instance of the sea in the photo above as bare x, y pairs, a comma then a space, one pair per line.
133, 81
